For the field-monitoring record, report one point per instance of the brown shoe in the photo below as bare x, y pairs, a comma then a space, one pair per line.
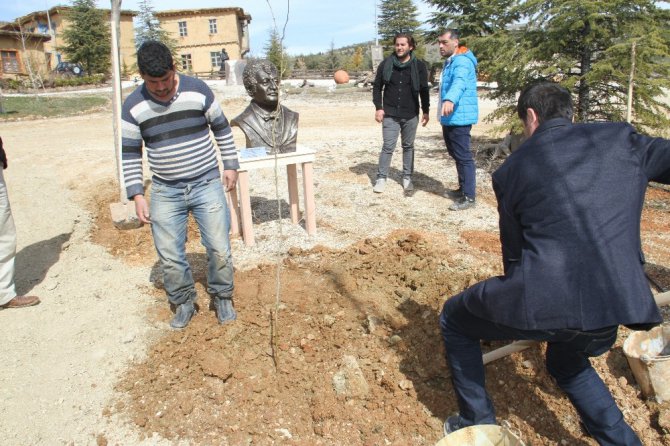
21, 301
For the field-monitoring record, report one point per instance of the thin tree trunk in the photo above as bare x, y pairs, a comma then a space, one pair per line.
631, 80
583, 91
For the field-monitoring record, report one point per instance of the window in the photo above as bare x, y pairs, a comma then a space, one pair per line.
42, 28
215, 56
10, 61
186, 64
182, 29
212, 26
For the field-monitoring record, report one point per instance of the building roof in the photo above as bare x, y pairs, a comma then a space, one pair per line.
180, 12
17, 35
60, 9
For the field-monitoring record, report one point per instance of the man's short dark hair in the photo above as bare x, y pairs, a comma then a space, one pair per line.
408, 36
154, 59
453, 33
249, 74
548, 99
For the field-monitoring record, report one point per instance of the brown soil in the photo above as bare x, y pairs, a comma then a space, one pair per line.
342, 346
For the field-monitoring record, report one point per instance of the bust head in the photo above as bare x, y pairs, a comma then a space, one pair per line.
261, 80
265, 122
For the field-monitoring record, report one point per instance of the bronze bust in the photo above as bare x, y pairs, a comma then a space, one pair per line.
265, 122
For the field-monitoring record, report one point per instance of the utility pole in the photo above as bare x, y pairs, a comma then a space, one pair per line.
52, 32
376, 24
116, 88
376, 50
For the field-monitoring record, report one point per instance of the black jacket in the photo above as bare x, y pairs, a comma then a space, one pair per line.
399, 100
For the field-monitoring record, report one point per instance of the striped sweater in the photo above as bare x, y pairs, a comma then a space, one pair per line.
176, 136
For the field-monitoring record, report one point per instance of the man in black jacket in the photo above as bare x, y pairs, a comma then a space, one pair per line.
570, 200
401, 81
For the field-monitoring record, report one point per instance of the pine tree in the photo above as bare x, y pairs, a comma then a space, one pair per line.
397, 16
87, 38
472, 17
586, 45
276, 53
334, 60
149, 28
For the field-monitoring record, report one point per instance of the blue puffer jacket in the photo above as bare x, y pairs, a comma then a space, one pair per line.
459, 85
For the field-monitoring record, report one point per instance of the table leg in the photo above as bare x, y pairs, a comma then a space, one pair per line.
310, 205
293, 198
234, 209
245, 208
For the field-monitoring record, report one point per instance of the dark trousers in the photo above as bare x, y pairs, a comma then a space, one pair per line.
457, 140
567, 360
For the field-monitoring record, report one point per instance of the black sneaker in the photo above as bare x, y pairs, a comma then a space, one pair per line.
183, 315
453, 424
464, 203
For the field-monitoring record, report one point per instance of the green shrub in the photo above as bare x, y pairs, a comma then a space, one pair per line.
14, 84
94, 79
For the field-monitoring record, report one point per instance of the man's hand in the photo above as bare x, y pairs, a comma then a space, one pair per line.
3, 156
424, 119
229, 180
379, 115
142, 209
447, 108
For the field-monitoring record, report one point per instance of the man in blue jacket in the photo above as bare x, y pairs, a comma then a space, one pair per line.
457, 111
570, 200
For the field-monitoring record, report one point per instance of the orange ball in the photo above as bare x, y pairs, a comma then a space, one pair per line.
341, 77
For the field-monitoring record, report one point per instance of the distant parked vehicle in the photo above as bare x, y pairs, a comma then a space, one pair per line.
69, 69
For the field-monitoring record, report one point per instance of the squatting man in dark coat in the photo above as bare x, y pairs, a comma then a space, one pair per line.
569, 200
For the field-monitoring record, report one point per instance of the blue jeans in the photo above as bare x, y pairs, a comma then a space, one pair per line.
391, 128
457, 139
567, 360
169, 211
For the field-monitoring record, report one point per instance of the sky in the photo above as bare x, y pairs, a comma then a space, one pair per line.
312, 27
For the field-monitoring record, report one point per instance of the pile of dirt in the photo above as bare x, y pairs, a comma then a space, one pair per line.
348, 352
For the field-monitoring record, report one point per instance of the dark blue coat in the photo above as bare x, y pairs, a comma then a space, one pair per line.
570, 200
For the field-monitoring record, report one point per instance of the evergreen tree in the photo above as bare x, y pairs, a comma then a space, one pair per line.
472, 17
333, 61
149, 28
397, 16
276, 53
87, 38
586, 45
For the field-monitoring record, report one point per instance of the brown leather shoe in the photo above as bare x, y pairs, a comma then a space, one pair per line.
21, 301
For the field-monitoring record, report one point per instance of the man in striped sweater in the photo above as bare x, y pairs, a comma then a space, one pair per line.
171, 116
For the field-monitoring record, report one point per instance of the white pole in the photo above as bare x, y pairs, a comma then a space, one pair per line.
376, 30
115, 19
